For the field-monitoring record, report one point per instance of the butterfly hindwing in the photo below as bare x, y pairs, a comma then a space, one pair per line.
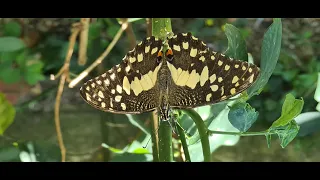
129, 87
201, 76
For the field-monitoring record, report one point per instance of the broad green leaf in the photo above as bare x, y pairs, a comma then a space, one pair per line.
290, 109
270, 51
318, 107
10, 43
12, 29
242, 116
129, 157
7, 113
288, 133
10, 75
317, 93
33, 73
237, 48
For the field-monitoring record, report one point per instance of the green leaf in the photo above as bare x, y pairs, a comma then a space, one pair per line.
270, 51
7, 113
33, 73
10, 75
290, 109
237, 48
134, 19
317, 92
288, 133
12, 29
242, 116
9, 43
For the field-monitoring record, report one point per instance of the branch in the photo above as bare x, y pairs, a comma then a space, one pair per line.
64, 74
99, 60
83, 41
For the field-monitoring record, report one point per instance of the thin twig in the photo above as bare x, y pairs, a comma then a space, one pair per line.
64, 75
149, 26
83, 41
131, 36
99, 60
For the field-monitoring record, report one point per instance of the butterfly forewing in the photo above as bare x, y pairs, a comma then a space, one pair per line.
202, 76
129, 87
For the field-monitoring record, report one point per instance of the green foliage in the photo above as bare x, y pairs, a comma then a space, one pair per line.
10, 43
19, 65
237, 48
7, 114
291, 108
242, 116
317, 93
12, 29
285, 126
270, 52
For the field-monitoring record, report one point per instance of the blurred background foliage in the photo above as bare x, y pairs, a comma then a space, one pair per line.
33, 49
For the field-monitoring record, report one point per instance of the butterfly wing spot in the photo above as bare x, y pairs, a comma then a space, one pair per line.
202, 58
118, 98
123, 106
140, 57
235, 79
185, 45
244, 68
208, 97
214, 87
226, 67
236, 65
222, 90
251, 78
204, 75
106, 82
220, 63
193, 52
154, 50
119, 89
232, 91
213, 78
146, 49
113, 76
113, 91
213, 58
193, 79
177, 48
220, 79
100, 94
103, 104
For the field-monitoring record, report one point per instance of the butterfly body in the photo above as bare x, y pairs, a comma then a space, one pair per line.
179, 73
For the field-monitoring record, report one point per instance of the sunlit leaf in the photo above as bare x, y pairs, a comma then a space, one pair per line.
309, 123
7, 113
290, 109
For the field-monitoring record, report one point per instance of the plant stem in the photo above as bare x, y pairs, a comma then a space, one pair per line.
184, 143
165, 142
242, 133
202, 129
155, 145
160, 28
